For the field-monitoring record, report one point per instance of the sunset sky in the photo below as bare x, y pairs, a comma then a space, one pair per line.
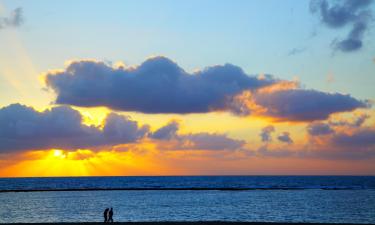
92, 88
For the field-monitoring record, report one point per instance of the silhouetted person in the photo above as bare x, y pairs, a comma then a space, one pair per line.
105, 214
110, 215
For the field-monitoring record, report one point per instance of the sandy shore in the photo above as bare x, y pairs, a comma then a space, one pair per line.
179, 223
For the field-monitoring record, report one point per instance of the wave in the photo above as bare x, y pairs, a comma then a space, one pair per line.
216, 183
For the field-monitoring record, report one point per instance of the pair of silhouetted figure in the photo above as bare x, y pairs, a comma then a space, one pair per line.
108, 215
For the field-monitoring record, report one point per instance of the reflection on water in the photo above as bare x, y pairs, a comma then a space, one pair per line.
349, 206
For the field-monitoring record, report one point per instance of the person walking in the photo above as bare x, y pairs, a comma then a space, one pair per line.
105, 214
110, 215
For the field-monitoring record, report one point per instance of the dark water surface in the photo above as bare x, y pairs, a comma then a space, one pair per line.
332, 199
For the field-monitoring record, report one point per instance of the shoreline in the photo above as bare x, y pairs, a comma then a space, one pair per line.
185, 223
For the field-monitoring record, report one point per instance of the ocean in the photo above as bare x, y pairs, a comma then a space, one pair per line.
323, 199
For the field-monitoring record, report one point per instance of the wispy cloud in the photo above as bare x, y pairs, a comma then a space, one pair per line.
15, 19
296, 51
348, 13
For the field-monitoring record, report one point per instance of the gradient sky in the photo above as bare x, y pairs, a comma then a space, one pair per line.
186, 87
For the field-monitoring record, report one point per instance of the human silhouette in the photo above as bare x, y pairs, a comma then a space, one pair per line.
110, 215
105, 214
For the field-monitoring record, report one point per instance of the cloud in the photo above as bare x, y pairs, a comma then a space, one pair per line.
356, 122
266, 133
285, 137
264, 151
349, 145
306, 105
359, 139
196, 141
156, 86
208, 141
357, 145
296, 51
320, 129
15, 19
345, 139
23, 128
160, 86
354, 13
167, 132
121, 129
317, 129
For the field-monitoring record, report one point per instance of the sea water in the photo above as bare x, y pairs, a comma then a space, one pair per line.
330, 199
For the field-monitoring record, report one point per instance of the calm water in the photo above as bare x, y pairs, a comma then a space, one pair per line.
309, 199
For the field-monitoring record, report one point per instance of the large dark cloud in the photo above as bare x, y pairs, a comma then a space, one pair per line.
160, 86
23, 128
15, 19
354, 13
196, 141
156, 86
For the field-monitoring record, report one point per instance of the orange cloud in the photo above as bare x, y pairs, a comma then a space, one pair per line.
146, 160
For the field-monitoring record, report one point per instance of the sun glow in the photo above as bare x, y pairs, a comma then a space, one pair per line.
125, 160
59, 154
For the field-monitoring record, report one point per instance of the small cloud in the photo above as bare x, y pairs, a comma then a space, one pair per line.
195, 141
354, 123
277, 153
266, 133
317, 129
285, 137
15, 19
296, 51
167, 132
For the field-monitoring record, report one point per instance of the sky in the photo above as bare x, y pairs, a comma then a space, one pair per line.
107, 88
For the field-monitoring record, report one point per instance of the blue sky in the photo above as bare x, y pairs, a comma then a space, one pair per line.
226, 110
255, 35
